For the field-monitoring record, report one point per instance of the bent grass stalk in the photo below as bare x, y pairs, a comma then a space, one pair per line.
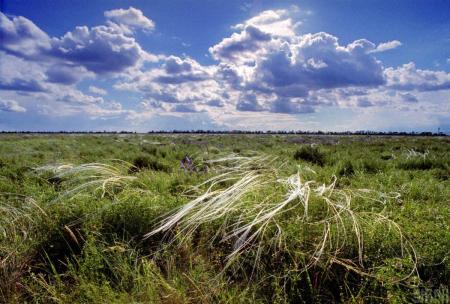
91, 176
245, 221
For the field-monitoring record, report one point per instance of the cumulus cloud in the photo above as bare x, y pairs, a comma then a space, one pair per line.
264, 67
407, 77
385, 46
18, 74
273, 22
97, 90
21, 37
264, 58
65, 74
408, 97
240, 47
185, 108
291, 106
47, 68
11, 106
364, 102
27, 85
100, 49
130, 18
249, 102
177, 80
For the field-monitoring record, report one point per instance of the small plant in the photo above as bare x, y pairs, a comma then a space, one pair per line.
310, 154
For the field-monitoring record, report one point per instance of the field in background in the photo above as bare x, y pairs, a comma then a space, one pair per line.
75, 234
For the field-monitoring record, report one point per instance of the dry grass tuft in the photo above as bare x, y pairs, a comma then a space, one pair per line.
248, 220
89, 177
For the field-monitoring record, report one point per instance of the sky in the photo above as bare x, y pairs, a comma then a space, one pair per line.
113, 65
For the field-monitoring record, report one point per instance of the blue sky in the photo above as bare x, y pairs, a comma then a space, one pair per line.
255, 65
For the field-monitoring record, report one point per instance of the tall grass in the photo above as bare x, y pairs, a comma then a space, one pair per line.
20, 217
95, 177
249, 220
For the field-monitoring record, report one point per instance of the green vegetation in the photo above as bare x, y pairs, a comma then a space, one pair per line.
260, 219
310, 154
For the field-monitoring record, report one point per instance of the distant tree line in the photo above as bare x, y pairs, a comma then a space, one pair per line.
394, 133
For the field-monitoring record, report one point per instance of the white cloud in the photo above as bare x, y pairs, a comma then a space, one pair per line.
97, 90
103, 49
177, 80
408, 77
284, 71
18, 74
130, 18
185, 108
100, 49
385, 46
264, 70
272, 22
11, 106
22, 37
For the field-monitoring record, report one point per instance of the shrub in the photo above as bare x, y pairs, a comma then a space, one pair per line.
310, 154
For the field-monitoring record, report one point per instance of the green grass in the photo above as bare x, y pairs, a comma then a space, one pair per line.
114, 219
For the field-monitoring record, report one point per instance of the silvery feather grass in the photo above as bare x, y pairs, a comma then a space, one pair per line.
19, 218
411, 153
89, 177
246, 219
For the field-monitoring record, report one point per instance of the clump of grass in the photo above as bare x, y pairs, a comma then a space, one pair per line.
95, 177
346, 169
419, 153
150, 150
387, 156
416, 164
310, 154
442, 174
19, 219
251, 221
416, 160
146, 162
370, 165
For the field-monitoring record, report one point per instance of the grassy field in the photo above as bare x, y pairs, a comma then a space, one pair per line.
254, 219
